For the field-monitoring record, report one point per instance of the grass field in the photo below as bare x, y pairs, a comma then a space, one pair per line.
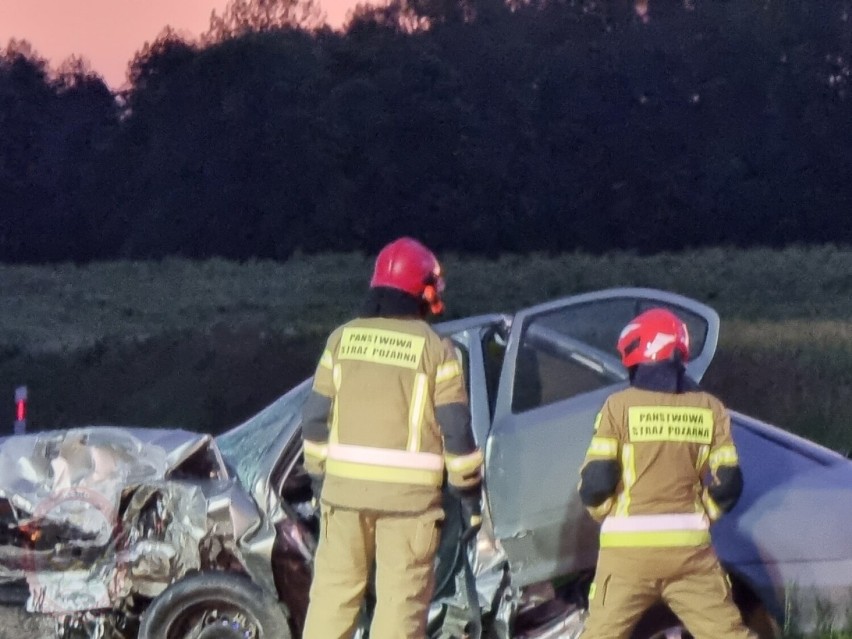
205, 344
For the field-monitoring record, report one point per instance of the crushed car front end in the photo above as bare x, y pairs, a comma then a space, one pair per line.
97, 522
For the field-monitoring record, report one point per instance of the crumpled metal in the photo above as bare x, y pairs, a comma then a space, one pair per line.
76, 476
75, 481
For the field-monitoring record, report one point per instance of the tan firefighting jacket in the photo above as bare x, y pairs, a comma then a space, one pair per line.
665, 444
398, 417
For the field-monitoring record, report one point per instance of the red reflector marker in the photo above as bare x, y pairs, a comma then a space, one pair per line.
20, 426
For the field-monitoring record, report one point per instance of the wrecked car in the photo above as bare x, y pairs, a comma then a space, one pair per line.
176, 535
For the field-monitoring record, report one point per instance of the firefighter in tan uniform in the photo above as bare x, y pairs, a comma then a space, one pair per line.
387, 419
661, 467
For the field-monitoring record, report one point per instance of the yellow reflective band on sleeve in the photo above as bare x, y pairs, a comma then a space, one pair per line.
464, 464
603, 447
670, 424
337, 376
655, 539
628, 478
415, 411
710, 506
602, 510
724, 456
447, 371
315, 450
598, 421
380, 346
703, 453
327, 361
386, 474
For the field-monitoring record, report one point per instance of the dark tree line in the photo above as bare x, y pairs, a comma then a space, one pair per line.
477, 125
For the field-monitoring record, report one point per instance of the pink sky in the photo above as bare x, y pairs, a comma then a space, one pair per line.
109, 32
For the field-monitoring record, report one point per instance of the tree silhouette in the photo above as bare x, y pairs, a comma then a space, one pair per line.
480, 126
241, 17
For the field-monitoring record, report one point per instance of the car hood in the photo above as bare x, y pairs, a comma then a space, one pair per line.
97, 462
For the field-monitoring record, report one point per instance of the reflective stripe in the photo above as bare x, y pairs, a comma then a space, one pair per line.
447, 372
384, 465
681, 529
327, 361
385, 457
598, 421
628, 478
381, 346
603, 447
464, 463
646, 523
337, 377
415, 411
656, 539
387, 474
703, 452
313, 449
724, 456
710, 506
601, 511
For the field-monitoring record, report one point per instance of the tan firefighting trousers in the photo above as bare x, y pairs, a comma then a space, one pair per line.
403, 548
629, 581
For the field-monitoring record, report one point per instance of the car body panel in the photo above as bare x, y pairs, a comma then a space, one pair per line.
788, 536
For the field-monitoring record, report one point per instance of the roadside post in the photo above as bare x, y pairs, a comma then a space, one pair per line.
20, 410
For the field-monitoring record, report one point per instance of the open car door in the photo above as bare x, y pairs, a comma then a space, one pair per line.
560, 365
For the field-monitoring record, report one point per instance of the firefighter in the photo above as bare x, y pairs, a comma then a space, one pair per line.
660, 468
387, 418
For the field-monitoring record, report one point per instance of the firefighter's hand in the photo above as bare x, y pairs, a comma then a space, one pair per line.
471, 510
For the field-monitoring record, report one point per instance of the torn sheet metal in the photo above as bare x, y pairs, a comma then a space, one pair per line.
76, 476
69, 591
488, 562
165, 523
161, 533
95, 519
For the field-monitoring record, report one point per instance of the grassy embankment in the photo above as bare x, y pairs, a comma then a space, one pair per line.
204, 345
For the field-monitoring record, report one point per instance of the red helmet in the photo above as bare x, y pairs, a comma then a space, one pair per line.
405, 264
653, 336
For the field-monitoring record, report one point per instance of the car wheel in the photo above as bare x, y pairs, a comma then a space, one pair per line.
214, 605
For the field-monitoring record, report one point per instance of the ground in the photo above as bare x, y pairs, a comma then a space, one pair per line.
16, 624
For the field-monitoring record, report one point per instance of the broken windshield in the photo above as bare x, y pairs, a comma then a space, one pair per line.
246, 445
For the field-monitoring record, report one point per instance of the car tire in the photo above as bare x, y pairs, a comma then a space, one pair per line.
214, 605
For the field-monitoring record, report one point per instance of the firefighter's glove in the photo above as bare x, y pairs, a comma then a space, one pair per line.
471, 510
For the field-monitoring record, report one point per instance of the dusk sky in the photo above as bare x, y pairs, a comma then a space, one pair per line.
109, 32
